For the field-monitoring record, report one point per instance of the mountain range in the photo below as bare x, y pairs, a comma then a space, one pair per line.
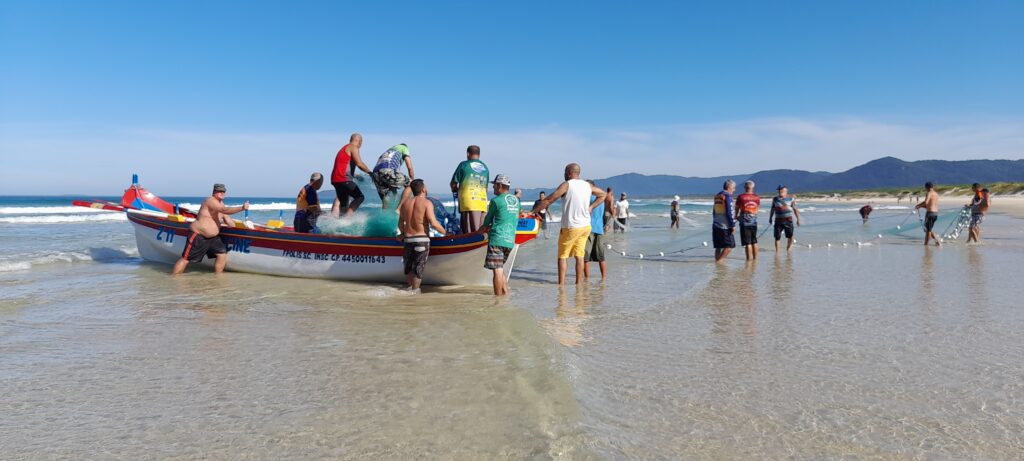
885, 172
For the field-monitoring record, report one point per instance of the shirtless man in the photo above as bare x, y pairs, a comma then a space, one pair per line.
931, 206
415, 218
204, 233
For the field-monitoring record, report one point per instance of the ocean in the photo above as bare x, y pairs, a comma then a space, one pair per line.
859, 343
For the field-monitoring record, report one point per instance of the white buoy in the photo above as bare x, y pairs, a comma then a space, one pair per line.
623, 253
879, 235
898, 228
844, 244
641, 256
661, 253
808, 245
609, 246
828, 245
705, 243
859, 244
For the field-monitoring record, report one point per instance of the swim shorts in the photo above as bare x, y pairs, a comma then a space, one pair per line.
783, 225
675, 217
389, 181
929, 220
748, 234
347, 190
722, 238
594, 251
572, 242
197, 246
414, 254
976, 220
496, 257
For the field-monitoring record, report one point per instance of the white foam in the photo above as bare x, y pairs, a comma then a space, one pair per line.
26, 262
22, 210
64, 219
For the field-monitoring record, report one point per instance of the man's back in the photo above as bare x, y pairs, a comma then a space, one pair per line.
413, 216
576, 204
931, 201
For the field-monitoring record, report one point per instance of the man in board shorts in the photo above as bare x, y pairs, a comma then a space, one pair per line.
415, 218
979, 208
388, 176
723, 221
204, 233
747, 205
783, 210
594, 252
343, 177
931, 206
576, 209
500, 226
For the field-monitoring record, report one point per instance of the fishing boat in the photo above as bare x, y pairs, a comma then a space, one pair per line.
161, 230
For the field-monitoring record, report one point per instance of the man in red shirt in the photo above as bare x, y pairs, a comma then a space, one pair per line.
343, 178
747, 205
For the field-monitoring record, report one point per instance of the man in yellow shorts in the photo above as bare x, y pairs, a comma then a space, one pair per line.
576, 208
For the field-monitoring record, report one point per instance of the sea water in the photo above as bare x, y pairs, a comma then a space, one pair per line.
886, 350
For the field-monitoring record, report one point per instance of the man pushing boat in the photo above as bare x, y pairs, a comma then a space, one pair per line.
204, 233
415, 218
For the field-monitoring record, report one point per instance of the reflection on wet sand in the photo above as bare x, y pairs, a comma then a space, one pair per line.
567, 326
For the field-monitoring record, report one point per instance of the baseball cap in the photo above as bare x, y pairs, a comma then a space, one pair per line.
502, 179
219, 188
781, 186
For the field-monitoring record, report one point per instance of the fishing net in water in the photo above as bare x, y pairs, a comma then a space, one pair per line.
363, 223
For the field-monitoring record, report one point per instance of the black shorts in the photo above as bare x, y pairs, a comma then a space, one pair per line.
929, 220
304, 222
674, 216
347, 190
783, 225
197, 246
414, 255
748, 234
496, 257
722, 238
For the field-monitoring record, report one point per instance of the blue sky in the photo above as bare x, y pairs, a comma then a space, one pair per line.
258, 94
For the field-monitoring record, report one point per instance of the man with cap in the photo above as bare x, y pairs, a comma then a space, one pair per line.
783, 211
204, 233
307, 204
388, 177
500, 226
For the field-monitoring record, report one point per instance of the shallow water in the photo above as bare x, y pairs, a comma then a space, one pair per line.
887, 350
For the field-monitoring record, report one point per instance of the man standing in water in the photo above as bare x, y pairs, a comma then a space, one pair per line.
723, 221
500, 225
204, 233
783, 210
470, 182
307, 204
747, 205
865, 211
931, 206
343, 177
979, 208
621, 213
594, 251
576, 209
609, 206
673, 214
415, 218
542, 214
388, 177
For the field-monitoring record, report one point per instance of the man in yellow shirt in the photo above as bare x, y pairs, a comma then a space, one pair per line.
470, 183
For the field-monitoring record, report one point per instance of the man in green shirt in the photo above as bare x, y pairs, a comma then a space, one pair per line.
500, 225
470, 182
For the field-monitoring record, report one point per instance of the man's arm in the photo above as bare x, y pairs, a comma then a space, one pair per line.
599, 194
218, 207
358, 161
408, 164
433, 219
771, 211
729, 212
557, 194
796, 211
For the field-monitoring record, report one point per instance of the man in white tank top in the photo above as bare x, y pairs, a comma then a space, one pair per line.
576, 208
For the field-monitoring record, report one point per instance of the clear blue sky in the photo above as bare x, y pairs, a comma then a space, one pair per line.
674, 87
